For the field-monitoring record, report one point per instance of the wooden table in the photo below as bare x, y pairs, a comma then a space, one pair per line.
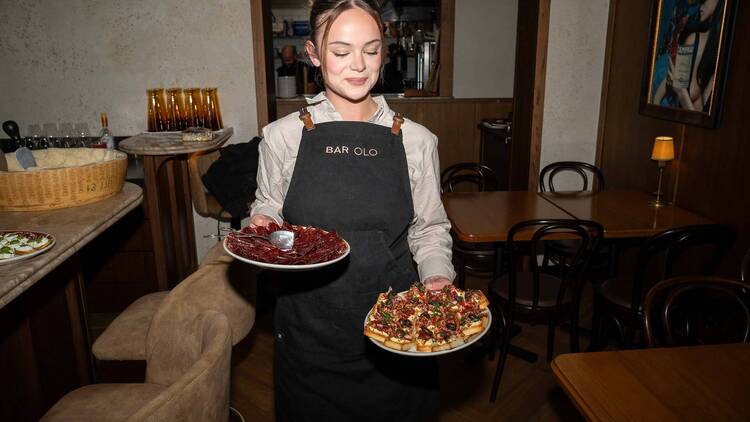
703, 383
485, 217
623, 213
45, 350
168, 199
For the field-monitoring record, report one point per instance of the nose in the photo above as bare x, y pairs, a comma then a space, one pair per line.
358, 62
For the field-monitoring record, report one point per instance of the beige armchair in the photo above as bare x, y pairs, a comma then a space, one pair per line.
187, 378
220, 283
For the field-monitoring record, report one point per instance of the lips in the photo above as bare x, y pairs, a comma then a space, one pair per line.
356, 81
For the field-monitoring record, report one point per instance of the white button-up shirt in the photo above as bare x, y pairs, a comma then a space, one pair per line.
429, 232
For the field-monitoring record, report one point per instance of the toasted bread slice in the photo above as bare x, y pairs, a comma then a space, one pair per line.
399, 344
476, 326
23, 250
457, 342
424, 347
375, 335
441, 347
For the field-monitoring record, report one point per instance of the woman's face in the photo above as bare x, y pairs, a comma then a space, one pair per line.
353, 55
707, 9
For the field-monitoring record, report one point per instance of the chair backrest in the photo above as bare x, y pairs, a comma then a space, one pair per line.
684, 311
478, 175
198, 165
585, 237
548, 173
745, 267
200, 346
698, 249
222, 284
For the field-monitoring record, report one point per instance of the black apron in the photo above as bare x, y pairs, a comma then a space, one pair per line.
350, 177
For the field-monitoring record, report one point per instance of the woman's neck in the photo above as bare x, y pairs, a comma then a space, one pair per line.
350, 110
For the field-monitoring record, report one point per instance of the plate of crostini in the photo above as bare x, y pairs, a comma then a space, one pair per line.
16, 245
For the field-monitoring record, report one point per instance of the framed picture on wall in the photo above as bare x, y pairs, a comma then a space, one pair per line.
686, 66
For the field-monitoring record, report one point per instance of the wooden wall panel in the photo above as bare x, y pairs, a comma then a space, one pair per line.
708, 175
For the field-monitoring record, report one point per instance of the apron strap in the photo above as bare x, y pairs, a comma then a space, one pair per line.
304, 115
398, 120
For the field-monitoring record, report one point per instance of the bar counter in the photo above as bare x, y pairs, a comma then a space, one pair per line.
45, 349
72, 228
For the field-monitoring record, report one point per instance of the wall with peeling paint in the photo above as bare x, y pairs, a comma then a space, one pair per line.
64, 62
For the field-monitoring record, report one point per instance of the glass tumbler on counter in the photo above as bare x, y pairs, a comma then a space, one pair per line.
157, 111
175, 109
193, 108
211, 110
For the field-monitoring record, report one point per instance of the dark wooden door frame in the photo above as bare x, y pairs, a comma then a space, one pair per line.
532, 35
265, 89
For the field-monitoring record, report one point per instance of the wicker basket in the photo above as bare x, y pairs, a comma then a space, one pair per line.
95, 175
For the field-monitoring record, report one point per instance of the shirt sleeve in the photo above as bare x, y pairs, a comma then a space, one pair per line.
269, 197
429, 234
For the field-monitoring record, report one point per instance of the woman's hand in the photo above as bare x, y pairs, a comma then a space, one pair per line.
436, 282
261, 220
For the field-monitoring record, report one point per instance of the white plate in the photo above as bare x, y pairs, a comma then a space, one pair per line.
282, 267
28, 255
413, 351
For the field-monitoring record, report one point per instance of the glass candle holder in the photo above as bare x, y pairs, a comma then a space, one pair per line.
156, 111
211, 111
175, 109
194, 108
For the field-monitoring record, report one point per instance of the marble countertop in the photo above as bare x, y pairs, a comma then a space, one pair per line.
72, 228
170, 143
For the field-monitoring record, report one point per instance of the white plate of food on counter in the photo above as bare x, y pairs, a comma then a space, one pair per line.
16, 245
419, 322
312, 247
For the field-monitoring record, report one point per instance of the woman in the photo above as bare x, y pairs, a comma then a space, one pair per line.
703, 36
348, 163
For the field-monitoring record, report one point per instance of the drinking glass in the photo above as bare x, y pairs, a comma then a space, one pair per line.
211, 111
157, 111
175, 108
193, 108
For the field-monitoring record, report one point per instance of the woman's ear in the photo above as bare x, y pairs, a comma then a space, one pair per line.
312, 52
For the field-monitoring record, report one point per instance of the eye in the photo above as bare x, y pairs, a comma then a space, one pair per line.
337, 54
372, 53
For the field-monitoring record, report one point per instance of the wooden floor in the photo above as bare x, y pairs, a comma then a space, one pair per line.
527, 392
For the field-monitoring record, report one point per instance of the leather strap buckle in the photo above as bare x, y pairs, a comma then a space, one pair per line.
398, 120
304, 115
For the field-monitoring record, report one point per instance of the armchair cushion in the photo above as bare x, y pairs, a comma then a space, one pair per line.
103, 402
125, 337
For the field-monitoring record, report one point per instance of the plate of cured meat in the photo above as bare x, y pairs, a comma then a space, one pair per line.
313, 248
420, 322
16, 245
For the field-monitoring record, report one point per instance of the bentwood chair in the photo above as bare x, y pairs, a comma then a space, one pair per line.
187, 378
474, 258
579, 169
477, 176
534, 295
570, 171
690, 250
686, 311
745, 267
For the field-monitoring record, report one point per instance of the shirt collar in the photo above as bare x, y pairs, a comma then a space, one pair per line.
382, 115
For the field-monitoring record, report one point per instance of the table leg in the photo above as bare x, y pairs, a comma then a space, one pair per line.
151, 166
170, 209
